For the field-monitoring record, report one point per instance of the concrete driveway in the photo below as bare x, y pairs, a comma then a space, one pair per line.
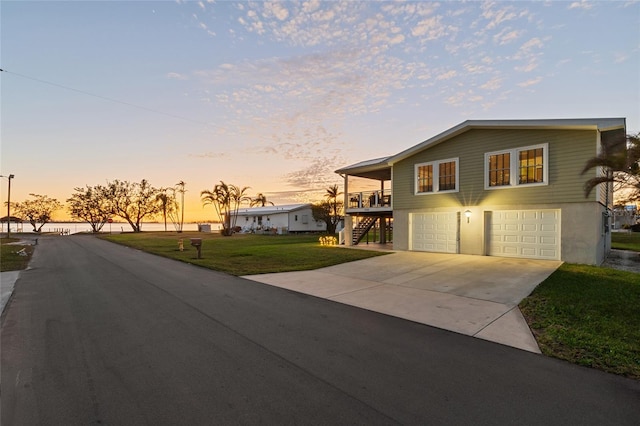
472, 295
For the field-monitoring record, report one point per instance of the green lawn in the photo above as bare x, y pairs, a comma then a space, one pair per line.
589, 316
625, 240
244, 254
10, 260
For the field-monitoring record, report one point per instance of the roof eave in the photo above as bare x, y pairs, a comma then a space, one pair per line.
601, 124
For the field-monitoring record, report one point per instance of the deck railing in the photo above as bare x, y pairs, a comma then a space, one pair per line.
370, 200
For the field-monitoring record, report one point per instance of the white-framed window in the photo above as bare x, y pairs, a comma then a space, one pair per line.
524, 166
436, 177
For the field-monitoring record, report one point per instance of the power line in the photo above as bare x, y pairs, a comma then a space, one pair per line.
179, 117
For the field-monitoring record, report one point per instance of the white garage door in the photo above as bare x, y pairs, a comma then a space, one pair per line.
532, 234
434, 232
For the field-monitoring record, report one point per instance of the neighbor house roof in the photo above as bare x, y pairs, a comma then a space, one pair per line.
266, 210
380, 168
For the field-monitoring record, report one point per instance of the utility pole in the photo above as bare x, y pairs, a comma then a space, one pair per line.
9, 205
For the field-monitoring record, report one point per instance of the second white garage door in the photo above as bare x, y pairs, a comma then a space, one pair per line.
532, 234
436, 232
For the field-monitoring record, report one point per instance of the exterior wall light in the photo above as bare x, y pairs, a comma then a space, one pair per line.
467, 214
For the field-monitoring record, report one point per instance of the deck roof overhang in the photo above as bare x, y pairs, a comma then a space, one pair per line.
377, 169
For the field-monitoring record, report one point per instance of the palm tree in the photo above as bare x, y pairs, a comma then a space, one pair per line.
163, 200
332, 196
260, 201
226, 200
620, 162
180, 188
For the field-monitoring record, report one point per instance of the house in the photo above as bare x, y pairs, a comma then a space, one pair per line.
511, 188
281, 219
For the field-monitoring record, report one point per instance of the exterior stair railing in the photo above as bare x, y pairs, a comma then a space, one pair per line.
362, 228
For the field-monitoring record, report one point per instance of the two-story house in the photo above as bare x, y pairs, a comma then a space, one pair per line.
510, 188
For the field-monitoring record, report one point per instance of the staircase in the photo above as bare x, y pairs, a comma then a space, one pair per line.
363, 227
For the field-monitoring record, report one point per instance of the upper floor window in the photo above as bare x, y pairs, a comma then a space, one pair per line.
518, 166
437, 176
531, 166
500, 169
425, 178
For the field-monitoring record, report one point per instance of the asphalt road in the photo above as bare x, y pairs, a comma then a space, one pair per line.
101, 334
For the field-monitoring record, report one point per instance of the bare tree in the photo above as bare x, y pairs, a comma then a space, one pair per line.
39, 210
132, 201
89, 205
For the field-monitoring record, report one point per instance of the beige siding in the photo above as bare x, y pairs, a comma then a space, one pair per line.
568, 152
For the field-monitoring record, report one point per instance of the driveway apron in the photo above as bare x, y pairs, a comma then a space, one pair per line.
473, 295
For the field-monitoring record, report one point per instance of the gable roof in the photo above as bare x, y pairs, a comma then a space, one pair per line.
267, 210
602, 124
380, 168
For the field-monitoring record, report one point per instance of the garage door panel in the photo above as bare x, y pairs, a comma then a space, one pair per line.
525, 233
436, 232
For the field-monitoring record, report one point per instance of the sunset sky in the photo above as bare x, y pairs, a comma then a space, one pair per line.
278, 95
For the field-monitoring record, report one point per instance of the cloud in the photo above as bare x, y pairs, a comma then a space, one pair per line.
620, 57
318, 174
276, 9
532, 43
209, 155
530, 82
432, 28
506, 36
497, 13
582, 4
447, 75
493, 84
177, 76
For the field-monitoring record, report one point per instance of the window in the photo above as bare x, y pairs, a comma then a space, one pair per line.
425, 178
447, 176
437, 176
530, 164
500, 169
517, 167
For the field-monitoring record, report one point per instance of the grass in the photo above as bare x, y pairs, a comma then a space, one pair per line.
589, 316
625, 240
244, 254
10, 260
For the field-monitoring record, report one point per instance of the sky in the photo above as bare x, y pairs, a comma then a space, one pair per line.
275, 96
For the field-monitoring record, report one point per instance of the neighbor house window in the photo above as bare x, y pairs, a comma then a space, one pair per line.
517, 167
437, 176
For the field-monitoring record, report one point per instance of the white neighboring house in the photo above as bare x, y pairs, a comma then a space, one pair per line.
285, 218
